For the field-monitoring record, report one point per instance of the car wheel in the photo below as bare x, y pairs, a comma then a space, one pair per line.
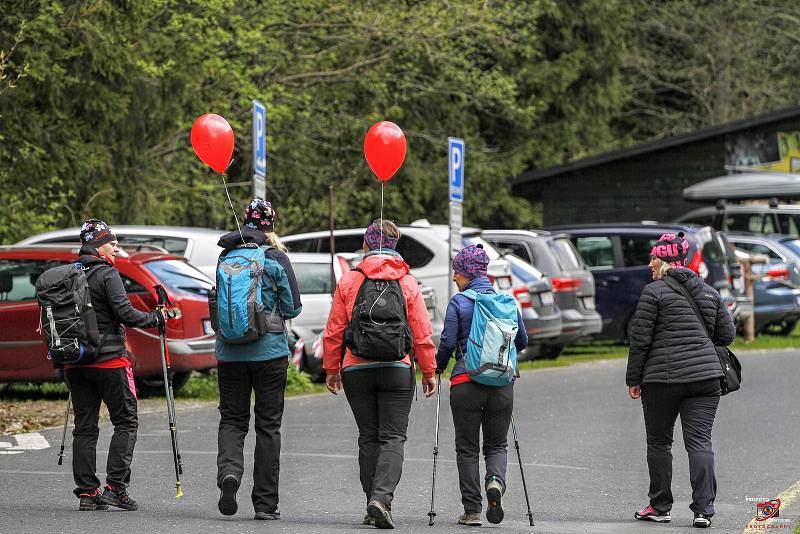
313, 367
153, 386
781, 328
551, 352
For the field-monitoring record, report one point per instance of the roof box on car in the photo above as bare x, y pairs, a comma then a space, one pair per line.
748, 186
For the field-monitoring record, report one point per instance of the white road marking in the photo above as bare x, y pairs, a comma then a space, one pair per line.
25, 442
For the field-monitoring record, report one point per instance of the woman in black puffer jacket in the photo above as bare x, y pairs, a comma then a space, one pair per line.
674, 367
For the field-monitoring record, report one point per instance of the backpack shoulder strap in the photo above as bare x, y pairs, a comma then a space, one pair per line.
678, 288
470, 294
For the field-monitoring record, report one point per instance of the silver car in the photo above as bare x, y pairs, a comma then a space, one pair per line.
198, 245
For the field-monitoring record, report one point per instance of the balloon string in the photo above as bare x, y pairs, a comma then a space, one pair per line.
232, 209
380, 242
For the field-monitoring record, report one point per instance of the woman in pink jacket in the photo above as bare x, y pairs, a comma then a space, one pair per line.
378, 318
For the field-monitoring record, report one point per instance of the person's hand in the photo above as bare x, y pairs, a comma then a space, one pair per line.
429, 386
635, 391
334, 383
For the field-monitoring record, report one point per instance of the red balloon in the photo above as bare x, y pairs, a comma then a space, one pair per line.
385, 149
212, 141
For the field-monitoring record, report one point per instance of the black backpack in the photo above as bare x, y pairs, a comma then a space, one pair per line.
378, 328
67, 317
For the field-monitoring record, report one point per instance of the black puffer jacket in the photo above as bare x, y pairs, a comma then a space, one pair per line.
667, 342
111, 306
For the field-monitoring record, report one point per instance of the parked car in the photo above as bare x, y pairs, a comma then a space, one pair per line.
313, 272
198, 245
777, 291
424, 247
573, 284
540, 314
762, 218
23, 353
618, 256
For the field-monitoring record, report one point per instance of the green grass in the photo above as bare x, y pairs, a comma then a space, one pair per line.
203, 386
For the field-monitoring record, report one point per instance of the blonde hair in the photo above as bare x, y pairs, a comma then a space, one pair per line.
274, 241
387, 228
662, 268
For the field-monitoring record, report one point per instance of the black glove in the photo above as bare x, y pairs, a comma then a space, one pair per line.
159, 318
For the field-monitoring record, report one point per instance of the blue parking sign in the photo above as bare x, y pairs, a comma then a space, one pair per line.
259, 138
455, 161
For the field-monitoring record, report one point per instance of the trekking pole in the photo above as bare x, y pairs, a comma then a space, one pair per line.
163, 300
521, 472
64, 433
432, 514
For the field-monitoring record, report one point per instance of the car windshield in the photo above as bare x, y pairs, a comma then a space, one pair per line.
522, 269
566, 254
793, 245
313, 278
180, 276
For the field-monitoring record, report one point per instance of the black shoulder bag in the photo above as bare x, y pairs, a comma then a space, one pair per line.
731, 368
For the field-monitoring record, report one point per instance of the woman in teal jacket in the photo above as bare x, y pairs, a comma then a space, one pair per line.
258, 366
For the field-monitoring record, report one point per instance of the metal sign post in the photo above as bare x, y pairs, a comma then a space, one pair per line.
455, 163
259, 149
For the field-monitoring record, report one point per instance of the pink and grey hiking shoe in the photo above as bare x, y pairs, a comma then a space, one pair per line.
651, 514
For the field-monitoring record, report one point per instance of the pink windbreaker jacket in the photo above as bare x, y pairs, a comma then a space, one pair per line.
386, 267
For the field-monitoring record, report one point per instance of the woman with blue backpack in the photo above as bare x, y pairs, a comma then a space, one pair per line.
484, 330
256, 291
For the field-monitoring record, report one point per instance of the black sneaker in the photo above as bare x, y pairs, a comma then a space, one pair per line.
268, 516
227, 497
91, 501
119, 498
701, 521
381, 513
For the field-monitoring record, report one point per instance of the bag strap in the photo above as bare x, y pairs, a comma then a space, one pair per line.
678, 287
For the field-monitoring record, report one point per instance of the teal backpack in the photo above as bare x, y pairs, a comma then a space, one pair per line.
491, 357
237, 310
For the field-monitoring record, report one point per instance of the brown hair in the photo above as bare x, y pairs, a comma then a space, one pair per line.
387, 228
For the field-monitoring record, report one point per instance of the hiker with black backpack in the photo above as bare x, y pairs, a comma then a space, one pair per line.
674, 367
83, 309
377, 325
485, 331
256, 291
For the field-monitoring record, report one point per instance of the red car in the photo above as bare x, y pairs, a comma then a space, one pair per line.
23, 353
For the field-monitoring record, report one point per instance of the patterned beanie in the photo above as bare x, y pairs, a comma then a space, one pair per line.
672, 249
96, 233
375, 239
259, 215
471, 262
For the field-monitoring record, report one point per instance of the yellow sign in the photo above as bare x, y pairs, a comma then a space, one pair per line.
789, 150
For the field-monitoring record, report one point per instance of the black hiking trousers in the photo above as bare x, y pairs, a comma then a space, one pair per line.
237, 381
696, 403
478, 407
90, 386
380, 399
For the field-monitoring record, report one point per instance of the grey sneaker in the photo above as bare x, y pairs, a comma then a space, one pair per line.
494, 494
472, 519
267, 516
701, 521
369, 521
381, 513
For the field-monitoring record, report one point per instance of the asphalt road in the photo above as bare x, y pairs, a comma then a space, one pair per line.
582, 442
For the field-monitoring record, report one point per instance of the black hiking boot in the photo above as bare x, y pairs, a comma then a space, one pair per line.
227, 497
118, 498
91, 501
494, 495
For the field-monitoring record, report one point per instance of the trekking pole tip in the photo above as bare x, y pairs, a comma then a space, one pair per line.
179, 491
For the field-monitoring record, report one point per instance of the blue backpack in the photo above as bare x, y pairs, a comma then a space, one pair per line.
240, 316
491, 357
